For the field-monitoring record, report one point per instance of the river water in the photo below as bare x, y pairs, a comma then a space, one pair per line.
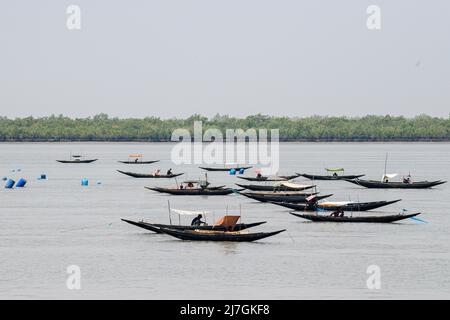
55, 223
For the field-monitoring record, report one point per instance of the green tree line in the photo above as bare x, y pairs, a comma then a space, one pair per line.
316, 128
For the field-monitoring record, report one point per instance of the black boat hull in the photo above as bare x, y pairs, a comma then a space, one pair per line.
194, 192
256, 187
328, 177
225, 236
268, 179
156, 227
373, 219
139, 162
357, 206
295, 198
224, 169
150, 176
395, 185
77, 161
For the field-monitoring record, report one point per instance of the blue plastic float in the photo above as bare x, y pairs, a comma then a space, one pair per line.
21, 183
10, 184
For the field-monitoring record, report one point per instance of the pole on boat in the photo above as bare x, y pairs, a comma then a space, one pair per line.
168, 205
385, 164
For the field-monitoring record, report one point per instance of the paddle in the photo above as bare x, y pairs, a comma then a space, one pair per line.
414, 218
420, 220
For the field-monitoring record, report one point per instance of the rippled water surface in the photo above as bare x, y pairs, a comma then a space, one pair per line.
54, 223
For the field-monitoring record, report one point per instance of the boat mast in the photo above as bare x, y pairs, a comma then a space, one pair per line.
168, 205
385, 164
240, 211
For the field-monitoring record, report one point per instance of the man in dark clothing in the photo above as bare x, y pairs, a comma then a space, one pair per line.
169, 172
338, 213
197, 221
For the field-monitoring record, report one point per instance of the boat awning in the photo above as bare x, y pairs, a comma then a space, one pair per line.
135, 155
188, 213
389, 176
334, 169
227, 221
312, 198
291, 185
335, 203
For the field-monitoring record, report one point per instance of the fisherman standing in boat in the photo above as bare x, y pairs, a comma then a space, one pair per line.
197, 221
407, 179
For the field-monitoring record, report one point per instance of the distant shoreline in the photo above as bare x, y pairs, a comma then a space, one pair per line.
281, 141
102, 128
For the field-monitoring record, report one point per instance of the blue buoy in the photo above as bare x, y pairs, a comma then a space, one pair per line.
10, 184
21, 183
232, 172
85, 182
43, 177
241, 171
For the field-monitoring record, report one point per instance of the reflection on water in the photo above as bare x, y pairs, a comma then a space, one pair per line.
56, 222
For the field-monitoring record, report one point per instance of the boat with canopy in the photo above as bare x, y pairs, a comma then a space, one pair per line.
278, 186
333, 174
219, 225
137, 158
386, 183
286, 196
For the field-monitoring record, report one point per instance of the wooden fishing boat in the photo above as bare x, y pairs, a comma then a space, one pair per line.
386, 183
366, 219
155, 227
330, 177
137, 159
333, 176
139, 162
270, 179
77, 160
293, 197
237, 168
208, 191
212, 235
395, 184
280, 187
153, 176
333, 206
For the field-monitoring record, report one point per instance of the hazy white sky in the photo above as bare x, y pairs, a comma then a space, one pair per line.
178, 57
